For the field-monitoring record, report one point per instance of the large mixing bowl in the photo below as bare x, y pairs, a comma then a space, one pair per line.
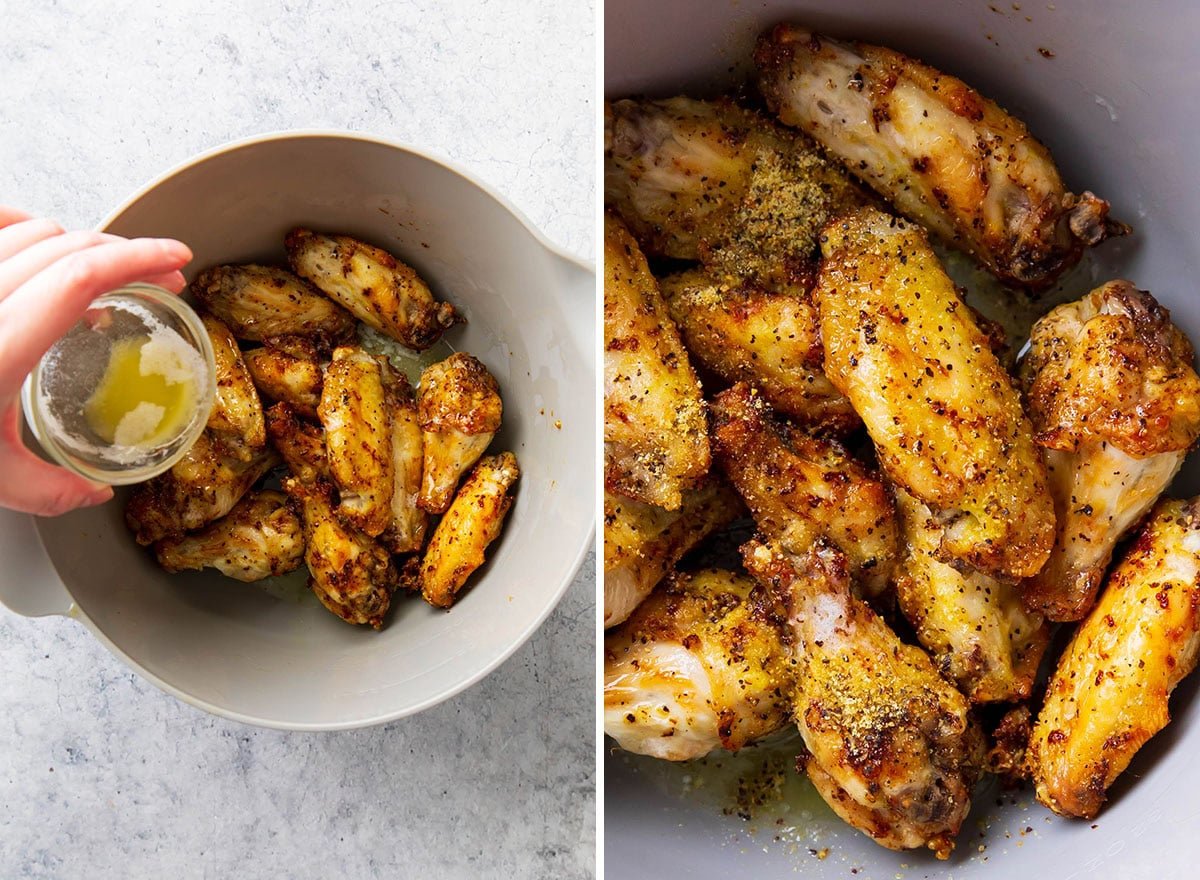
231, 648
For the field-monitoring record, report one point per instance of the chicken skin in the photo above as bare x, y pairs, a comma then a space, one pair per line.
943, 154
943, 413
473, 521
892, 746
236, 419
801, 488
459, 409
1109, 694
261, 537
655, 435
1116, 405
405, 532
288, 368
699, 666
300, 443
374, 286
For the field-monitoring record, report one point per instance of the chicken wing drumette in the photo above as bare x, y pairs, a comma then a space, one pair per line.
288, 368
236, 419
300, 443
405, 532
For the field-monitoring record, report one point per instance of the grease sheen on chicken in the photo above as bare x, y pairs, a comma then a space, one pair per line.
236, 418
288, 368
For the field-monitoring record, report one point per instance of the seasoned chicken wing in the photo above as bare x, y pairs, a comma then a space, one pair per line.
800, 488
943, 154
459, 408
258, 302
1109, 694
1116, 404
943, 413
236, 419
892, 746
642, 541
358, 438
405, 532
699, 666
301, 443
288, 368
746, 333
473, 521
372, 284
655, 436
261, 537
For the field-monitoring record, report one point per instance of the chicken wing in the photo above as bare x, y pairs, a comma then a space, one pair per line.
1109, 693
358, 438
642, 542
1116, 405
378, 289
288, 368
258, 302
944, 416
974, 626
655, 436
459, 408
236, 419
261, 537
405, 532
473, 521
746, 333
301, 443
800, 488
943, 154
893, 747
699, 666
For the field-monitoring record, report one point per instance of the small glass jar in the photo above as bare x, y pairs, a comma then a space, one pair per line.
57, 394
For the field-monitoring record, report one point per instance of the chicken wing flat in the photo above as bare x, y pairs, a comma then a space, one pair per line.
459, 408
943, 154
201, 487
257, 302
1109, 693
236, 419
746, 333
301, 443
405, 533
712, 181
642, 542
943, 413
473, 521
699, 666
374, 286
1116, 404
893, 747
358, 438
800, 488
261, 537
655, 435
974, 626
288, 369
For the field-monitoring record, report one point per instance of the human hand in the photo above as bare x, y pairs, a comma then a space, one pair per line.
48, 278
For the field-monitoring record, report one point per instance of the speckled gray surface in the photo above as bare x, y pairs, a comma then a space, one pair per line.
101, 775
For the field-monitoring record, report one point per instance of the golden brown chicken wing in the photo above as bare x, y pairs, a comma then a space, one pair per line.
236, 419
405, 532
301, 443
288, 368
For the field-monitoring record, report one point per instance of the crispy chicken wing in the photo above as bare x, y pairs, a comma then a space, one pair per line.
301, 443
699, 666
942, 153
655, 436
288, 368
800, 488
405, 532
372, 284
944, 416
459, 408
236, 419
1109, 693
261, 537
893, 747
1116, 404
473, 521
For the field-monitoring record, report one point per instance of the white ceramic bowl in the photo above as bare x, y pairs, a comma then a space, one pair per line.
1113, 106
232, 649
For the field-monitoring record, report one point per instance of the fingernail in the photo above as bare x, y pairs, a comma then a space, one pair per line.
176, 249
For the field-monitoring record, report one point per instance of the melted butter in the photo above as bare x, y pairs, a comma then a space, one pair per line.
145, 396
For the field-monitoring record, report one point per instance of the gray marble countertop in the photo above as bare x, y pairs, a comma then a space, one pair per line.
102, 775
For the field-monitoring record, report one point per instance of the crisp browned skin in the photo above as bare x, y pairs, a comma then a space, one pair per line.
288, 369
1109, 694
655, 435
943, 154
236, 419
942, 411
201, 487
893, 746
405, 532
301, 443
1008, 755
712, 181
800, 488
1115, 401
699, 666
261, 537
747, 333
374, 286
258, 302
473, 521
459, 407
642, 542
